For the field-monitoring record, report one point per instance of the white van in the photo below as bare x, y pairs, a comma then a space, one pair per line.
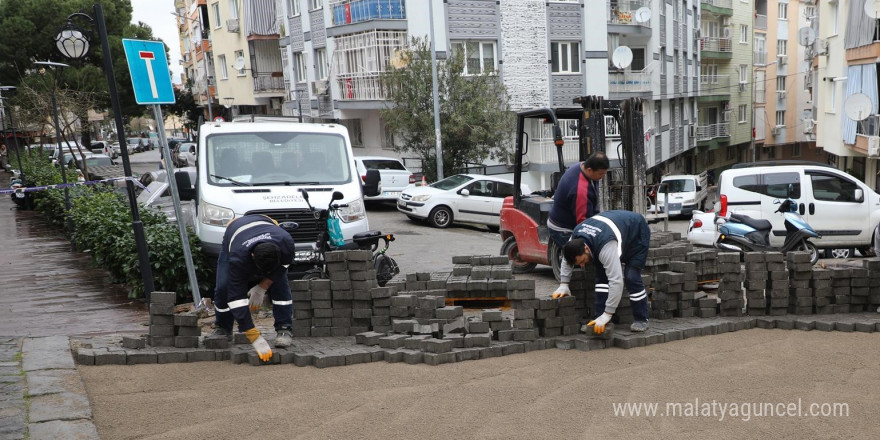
260, 167
837, 205
686, 193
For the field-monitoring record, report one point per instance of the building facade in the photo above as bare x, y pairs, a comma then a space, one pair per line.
197, 52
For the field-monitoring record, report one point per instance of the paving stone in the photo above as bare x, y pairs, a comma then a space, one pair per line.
491, 352
825, 326
45, 353
63, 429
590, 344
510, 348
186, 331
393, 341
436, 346
413, 357
59, 406
170, 357
133, 342
216, 342
137, 357
477, 340
53, 381
110, 358
85, 357
186, 341
865, 327
303, 359
804, 324
844, 326
200, 356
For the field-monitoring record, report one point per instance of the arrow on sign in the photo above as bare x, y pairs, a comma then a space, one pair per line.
148, 56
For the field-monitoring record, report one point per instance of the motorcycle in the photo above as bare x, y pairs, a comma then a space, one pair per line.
385, 266
21, 198
741, 233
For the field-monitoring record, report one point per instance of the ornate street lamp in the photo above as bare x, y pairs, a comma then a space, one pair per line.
73, 42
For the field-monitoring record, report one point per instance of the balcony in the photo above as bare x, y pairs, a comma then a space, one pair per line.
360, 87
760, 59
714, 85
713, 131
868, 136
721, 7
620, 16
760, 22
715, 48
630, 82
357, 11
269, 82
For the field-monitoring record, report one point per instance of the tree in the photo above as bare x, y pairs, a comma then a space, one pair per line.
185, 107
475, 119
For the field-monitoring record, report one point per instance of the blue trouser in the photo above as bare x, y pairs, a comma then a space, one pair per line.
638, 297
279, 293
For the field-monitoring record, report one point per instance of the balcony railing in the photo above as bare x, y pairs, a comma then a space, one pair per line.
629, 82
356, 11
718, 3
714, 85
712, 131
760, 58
269, 82
623, 11
761, 22
870, 127
360, 88
714, 44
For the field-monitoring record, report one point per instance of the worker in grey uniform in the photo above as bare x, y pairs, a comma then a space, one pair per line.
617, 242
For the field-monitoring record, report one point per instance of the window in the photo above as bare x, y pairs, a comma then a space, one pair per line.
780, 118
783, 11
355, 134
316, 4
479, 56
743, 113
796, 150
222, 61
731, 153
481, 188
233, 9
239, 55
638, 62
321, 63
300, 63
780, 83
810, 11
834, 18
293, 7
503, 189
565, 57
384, 164
611, 127
743, 73
830, 188
743, 33
781, 47
215, 14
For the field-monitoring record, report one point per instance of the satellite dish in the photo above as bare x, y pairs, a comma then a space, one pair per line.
806, 36
643, 15
872, 8
622, 57
858, 107
238, 64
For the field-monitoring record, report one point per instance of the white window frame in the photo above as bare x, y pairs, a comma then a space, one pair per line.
743, 73
224, 73
293, 8
780, 118
215, 12
781, 47
744, 34
743, 113
314, 5
463, 46
832, 99
322, 69
233, 9
835, 18
299, 60
783, 11
564, 48
780, 83
809, 11
240, 53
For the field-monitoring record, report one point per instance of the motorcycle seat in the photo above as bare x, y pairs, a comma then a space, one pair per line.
757, 223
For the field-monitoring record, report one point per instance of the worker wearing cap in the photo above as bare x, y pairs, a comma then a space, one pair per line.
617, 241
575, 200
254, 246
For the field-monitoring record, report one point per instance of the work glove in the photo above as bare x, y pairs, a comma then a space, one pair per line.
260, 345
562, 291
599, 323
256, 294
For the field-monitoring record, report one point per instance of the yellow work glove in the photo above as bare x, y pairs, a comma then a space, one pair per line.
260, 345
562, 291
256, 295
599, 323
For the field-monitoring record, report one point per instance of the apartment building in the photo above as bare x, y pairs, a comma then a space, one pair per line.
783, 116
724, 120
196, 52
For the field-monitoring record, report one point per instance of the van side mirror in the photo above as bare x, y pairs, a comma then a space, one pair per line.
371, 184
860, 195
699, 188
185, 188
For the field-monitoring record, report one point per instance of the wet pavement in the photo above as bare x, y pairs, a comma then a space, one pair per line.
46, 289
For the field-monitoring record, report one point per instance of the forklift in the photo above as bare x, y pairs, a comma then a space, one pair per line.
526, 240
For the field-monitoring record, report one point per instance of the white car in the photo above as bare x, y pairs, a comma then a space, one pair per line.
465, 198
702, 230
394, 176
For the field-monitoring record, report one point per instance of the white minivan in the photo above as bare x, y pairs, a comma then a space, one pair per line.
260, 168
841, 208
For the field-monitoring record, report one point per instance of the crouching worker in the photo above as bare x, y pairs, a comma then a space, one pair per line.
254, 248
618, 243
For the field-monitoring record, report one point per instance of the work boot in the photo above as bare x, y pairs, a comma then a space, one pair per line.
221, 332
639, 326
284, 338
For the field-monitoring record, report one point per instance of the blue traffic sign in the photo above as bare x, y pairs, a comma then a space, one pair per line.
150, 75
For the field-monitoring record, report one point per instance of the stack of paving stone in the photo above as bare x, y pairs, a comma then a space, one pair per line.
840, 285
322, 308
665, 248
800, 273
162, 319
479, 276
732, 276
303, 312
873, 266
859, 289
186, 330
690, 270
380, 319
583, 288
777, 291
706, 307
823, 294
706, 265
666, 299
351, 278
555, 317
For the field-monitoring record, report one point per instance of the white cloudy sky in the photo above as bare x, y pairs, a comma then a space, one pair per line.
157, 14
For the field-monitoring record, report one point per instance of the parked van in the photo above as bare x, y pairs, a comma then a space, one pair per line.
260, 167
686, 193
841, 208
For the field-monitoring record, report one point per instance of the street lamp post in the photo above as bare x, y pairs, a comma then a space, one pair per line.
73, 43
204, 60
227, 102
12, 125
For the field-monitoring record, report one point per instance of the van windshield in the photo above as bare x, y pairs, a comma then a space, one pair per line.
678, 185
277, 159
